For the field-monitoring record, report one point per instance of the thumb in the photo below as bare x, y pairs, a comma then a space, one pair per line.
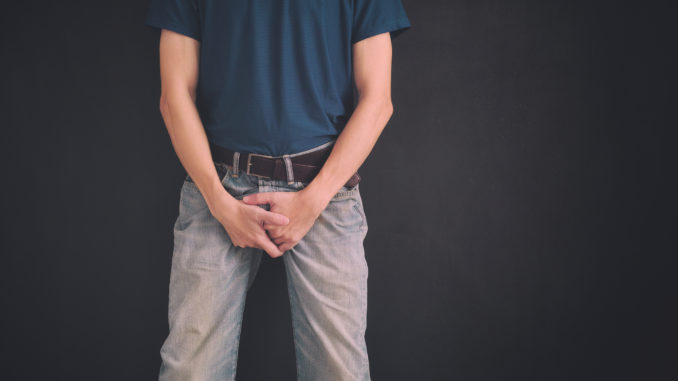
258, 198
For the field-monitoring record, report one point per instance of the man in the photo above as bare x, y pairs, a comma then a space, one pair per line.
257, 97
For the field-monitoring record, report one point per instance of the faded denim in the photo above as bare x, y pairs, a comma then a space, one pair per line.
326, 280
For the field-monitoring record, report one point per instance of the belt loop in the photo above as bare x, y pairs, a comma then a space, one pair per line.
236, 164
288, 167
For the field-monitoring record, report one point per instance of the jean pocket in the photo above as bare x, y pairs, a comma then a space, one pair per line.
346, 192
341, 221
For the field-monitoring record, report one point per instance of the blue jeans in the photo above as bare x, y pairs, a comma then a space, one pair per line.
326, 280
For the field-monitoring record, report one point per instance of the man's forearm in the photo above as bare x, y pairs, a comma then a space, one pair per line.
190, 143
352, 147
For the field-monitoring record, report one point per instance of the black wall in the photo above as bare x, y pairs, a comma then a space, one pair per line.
521, 201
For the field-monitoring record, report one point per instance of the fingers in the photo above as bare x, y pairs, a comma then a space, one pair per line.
270, 248
266, 243
271, 228
285, 246
272, 218
251, 232
262, 241
259, 198
273, 231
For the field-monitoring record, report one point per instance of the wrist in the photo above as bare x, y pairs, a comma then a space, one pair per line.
217, 197
316, 198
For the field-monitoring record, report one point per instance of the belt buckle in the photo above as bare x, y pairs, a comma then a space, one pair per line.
249, 161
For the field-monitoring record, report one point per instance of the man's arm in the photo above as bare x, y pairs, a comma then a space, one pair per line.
179, 57
372, 70
179, 77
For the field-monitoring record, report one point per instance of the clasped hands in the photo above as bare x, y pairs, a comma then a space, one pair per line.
301, 209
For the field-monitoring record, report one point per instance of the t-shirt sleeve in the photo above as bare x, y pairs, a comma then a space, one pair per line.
180, 16
372, 17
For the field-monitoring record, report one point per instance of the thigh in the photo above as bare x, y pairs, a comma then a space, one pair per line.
208, 285
327, 283
332, 250
204, 260
200, 241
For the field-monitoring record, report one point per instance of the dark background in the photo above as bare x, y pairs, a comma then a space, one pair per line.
521, 201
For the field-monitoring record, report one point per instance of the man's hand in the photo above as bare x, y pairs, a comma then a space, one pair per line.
245, 224
301, 207
179, 62
372, 71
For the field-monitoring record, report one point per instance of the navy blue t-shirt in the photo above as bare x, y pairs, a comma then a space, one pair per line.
276, 76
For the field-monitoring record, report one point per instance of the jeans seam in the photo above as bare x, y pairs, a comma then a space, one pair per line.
234, 368
363, 286
297, 350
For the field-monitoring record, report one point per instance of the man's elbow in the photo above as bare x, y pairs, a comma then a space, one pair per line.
388, 110
170, 100
163, 106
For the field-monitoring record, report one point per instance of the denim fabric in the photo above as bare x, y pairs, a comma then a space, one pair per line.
326, 279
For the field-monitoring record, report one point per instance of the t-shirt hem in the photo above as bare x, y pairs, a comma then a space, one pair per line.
173, 27
301, 145
398, 25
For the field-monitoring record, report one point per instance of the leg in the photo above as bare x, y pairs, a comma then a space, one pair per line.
327, 284
208, 285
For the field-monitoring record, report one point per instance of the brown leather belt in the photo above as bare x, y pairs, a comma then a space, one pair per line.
298, 167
